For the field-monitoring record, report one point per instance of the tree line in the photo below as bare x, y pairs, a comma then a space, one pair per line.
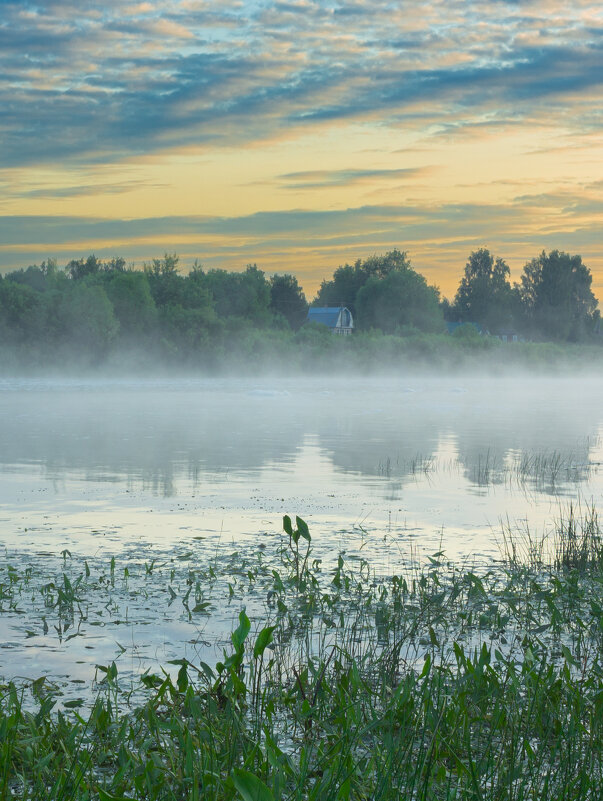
97, 307
552, 301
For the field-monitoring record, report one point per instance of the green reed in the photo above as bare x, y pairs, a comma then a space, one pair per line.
573, 542
433, 683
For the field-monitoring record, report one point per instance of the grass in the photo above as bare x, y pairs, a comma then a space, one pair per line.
336, 683
573, 542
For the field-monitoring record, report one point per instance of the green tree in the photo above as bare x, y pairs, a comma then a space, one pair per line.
89, 322
287, 299
22, 317
116, 265
41, 278
556, 297
398, 303
82, 268
165, 282
245, 294
485, 295
347, 281
132, 302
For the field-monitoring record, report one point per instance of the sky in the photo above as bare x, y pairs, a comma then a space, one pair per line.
301, 135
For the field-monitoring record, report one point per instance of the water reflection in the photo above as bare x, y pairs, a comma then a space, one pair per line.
158, 435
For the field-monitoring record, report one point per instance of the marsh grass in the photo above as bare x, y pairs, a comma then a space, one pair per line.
573, 542
336, 683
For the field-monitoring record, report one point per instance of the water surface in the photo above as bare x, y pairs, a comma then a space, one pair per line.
381, 468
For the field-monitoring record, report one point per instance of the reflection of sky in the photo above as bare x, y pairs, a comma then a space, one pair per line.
300, 134
99, 467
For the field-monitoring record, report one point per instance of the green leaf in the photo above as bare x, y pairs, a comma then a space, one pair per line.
303, 529
264, 639
207, 670
250, 787
568, 656
240, 635
288, 528
77, 702
426, 666
182, 680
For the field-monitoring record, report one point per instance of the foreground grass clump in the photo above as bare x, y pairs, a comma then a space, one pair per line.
436, 684
574, 542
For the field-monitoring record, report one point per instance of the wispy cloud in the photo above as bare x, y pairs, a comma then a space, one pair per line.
107, 80
312, 179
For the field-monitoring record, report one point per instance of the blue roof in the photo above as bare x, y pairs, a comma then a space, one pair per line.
326, 315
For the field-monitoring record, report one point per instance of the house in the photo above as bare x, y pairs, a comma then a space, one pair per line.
508, 335
337, 318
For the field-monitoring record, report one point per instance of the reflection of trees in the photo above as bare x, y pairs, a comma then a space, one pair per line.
158, 436
534, 431
537, 433
153, 437
387, 434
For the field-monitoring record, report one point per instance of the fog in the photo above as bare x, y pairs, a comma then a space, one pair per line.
155, 458
167, 430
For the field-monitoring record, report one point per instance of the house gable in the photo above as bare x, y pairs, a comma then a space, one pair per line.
337, 318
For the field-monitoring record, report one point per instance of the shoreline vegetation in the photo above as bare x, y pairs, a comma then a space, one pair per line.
338, 681
106, 316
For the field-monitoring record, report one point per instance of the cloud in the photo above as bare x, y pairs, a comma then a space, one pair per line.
82, 190
88, 89
111, 81
312, 179
313, 242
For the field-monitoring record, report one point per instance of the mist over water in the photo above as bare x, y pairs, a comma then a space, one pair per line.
228, 455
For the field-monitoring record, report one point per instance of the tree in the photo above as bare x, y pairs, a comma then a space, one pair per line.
22, 317
287, 298
132, 302
347, 281
244, 294
39, 278
81, 268
116, 265
556, 296
448, 310
485, 295
166, 284
401, 300
88, 319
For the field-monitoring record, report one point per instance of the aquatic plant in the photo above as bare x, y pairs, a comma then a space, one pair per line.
573, 542
432, 683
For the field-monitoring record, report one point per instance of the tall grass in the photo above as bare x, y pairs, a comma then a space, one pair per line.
433, 683
574, 542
